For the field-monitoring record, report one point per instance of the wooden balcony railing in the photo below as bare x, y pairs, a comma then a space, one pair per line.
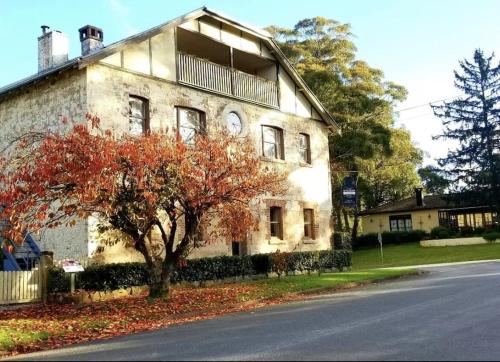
220, 79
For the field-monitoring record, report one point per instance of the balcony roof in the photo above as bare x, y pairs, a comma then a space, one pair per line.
83, 61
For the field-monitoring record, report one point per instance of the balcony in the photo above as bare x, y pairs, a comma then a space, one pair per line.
225, 80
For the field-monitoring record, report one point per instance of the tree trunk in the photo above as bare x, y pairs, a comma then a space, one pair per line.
346, 220
159, 283
355, 226
338, 219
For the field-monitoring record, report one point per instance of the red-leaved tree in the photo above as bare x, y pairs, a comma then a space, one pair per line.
136, 185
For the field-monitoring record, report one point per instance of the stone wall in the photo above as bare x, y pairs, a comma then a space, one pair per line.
108, 92
39, 108
104, 90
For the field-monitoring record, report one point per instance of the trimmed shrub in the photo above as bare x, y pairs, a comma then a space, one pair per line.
441, 232
217, 268
113, 276
491, 236
261, 263
341, 240
280, 262
335, 259
57, 280
466, 231
117, 276
395, 237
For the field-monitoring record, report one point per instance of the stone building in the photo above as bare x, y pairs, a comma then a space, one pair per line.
188, 73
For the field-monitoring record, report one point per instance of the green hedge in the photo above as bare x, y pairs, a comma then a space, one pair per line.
117, 276
442, 232
213, 269
491, 235
341, 240
399, 237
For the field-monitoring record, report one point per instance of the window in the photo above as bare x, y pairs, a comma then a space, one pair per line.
309, 224
272, 142
138, 115
400, 223
190, 122
235, 248
276, 222
488, 219
234, 124
305, 148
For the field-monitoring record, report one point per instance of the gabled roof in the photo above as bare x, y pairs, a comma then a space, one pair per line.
83, 61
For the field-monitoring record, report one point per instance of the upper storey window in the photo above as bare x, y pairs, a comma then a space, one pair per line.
190, 122
272, 142
138, 123
305, 148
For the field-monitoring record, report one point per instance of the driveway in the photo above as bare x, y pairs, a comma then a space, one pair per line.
452, 313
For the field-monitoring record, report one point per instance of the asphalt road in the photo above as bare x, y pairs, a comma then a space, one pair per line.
452, 313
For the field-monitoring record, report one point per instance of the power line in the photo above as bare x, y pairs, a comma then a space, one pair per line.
425, 104
415, 117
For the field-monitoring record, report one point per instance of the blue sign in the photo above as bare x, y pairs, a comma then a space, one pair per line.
349, 192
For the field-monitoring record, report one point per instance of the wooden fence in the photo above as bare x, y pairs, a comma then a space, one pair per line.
20, 286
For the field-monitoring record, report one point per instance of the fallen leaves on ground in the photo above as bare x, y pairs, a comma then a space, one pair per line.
41, 327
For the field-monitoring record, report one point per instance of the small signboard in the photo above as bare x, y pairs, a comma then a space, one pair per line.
72, 266
349, 192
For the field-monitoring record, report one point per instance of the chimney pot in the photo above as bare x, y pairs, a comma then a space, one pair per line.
418, 196
44, 29
91, 38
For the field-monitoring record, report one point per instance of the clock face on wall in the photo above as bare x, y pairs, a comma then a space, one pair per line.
234, 124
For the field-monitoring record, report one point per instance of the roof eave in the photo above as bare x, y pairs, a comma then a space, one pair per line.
84, 61
10, 88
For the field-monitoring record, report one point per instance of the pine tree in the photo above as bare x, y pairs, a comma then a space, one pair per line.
473, 121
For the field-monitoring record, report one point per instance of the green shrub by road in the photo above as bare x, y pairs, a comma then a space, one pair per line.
414, 254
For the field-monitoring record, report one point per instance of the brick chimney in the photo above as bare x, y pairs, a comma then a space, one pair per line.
91, 38
418, 196
53, 48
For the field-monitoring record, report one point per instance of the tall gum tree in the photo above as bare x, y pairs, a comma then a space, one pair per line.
362, 103
136, 185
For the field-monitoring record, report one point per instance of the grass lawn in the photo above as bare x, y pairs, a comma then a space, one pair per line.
269, 288
38, 327
414, 254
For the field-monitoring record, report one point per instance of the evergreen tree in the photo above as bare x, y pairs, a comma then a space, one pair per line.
433, 180
473, 121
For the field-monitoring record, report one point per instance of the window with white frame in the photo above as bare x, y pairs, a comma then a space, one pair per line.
309, 224
272, 142
276, 222
305, 148
401, 223
190, 122
138, 115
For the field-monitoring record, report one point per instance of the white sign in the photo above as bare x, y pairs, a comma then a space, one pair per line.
72, 266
